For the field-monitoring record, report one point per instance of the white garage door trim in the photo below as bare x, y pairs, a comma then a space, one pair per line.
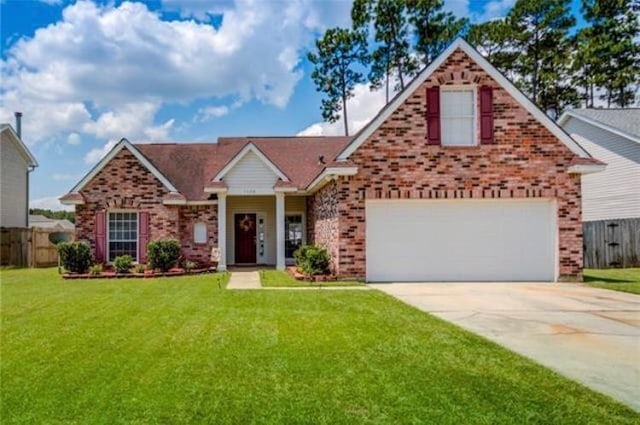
486, 232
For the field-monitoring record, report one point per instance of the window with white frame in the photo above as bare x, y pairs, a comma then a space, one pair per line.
123, 234
293, 232
458, 117
200, 233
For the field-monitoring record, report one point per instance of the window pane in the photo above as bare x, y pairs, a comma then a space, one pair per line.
457, 117
293, 234
200, 233
123, 235
457, 103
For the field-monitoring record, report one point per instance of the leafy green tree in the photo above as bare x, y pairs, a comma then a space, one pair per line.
391, 55
494, 40
540, 37
337, 55
434, 28
612, 46
57, 215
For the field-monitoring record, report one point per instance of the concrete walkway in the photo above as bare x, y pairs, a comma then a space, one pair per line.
249, 279
588, 334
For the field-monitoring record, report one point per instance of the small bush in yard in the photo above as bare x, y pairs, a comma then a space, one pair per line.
139, 268
96, 269
123, 263
163, 253
188, 266
75, 256
312, 260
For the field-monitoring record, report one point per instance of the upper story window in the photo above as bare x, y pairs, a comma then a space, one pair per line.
458, 116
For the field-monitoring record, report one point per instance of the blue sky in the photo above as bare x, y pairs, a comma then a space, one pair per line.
88, 73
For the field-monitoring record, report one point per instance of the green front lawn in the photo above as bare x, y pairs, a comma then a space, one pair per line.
276, 278
181, 350
625, 280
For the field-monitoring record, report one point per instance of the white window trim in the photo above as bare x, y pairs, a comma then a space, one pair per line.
304, 227
108, 249
206, 233
474, 94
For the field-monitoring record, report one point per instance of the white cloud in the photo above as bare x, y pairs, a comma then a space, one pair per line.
205, 114
96, 154
73, 139
198, 9
85, 73
62, 177
361, 108
495, 9
50, 203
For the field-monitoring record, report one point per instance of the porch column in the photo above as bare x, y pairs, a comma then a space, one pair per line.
280, 231
222, 230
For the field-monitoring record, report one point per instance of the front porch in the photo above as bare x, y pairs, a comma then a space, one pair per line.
260, 229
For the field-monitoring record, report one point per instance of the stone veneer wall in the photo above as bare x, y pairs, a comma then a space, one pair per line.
190, 215
124, 183
395, 162
322, 221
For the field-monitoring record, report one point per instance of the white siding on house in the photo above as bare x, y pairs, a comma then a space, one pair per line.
250, 173
260, 205
13, 185
615, 192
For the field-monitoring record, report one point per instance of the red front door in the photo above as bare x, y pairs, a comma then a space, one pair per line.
245, 226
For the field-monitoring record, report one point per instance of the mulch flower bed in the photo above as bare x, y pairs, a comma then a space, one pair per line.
295, 273
146, 274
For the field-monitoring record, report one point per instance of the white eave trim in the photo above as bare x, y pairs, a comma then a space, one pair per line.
285, 189
570, 114
124, 143
71, 202
216, 190
26, 153
586, 169
250, 147
189, 203
461, 44
329, 173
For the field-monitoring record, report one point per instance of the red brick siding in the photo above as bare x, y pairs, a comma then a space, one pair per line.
322, 221
396, 162
188, 217
124, 183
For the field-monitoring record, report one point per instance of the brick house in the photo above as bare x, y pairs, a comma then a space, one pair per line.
459, 178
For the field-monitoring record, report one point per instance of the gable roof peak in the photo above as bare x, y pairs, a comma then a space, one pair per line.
462, 44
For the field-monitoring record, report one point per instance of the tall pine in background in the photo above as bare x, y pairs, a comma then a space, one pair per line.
610, 48
433, 27
541, 39
338, 55
495, 41
391, 55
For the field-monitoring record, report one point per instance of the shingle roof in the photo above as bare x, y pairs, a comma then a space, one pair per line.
191, 166
625, 120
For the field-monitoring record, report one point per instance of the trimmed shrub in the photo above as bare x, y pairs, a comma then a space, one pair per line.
163, 254
139, 268
123, 263
312, 260
75, 256
96, 269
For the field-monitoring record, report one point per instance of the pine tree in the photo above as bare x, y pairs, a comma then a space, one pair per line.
434, 28
585, 65
391, 53
338, 54
540, 30
494, 40
615, 26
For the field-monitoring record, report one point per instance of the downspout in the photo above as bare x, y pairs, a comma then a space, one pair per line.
30, 168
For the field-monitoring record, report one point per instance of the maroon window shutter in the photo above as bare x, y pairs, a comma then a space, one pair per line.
433, 115
486, 115
101, 236
143, 236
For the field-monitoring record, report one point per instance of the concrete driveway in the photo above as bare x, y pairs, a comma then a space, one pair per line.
587, 334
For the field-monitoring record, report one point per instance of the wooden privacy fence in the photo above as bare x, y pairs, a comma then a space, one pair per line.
28, 247
612, 243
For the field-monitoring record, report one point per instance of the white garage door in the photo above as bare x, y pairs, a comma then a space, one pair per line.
461, 240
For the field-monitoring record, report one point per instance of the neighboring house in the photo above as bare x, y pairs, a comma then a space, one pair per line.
611, 199
42, 222
613, 136
17, 163
459, 178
